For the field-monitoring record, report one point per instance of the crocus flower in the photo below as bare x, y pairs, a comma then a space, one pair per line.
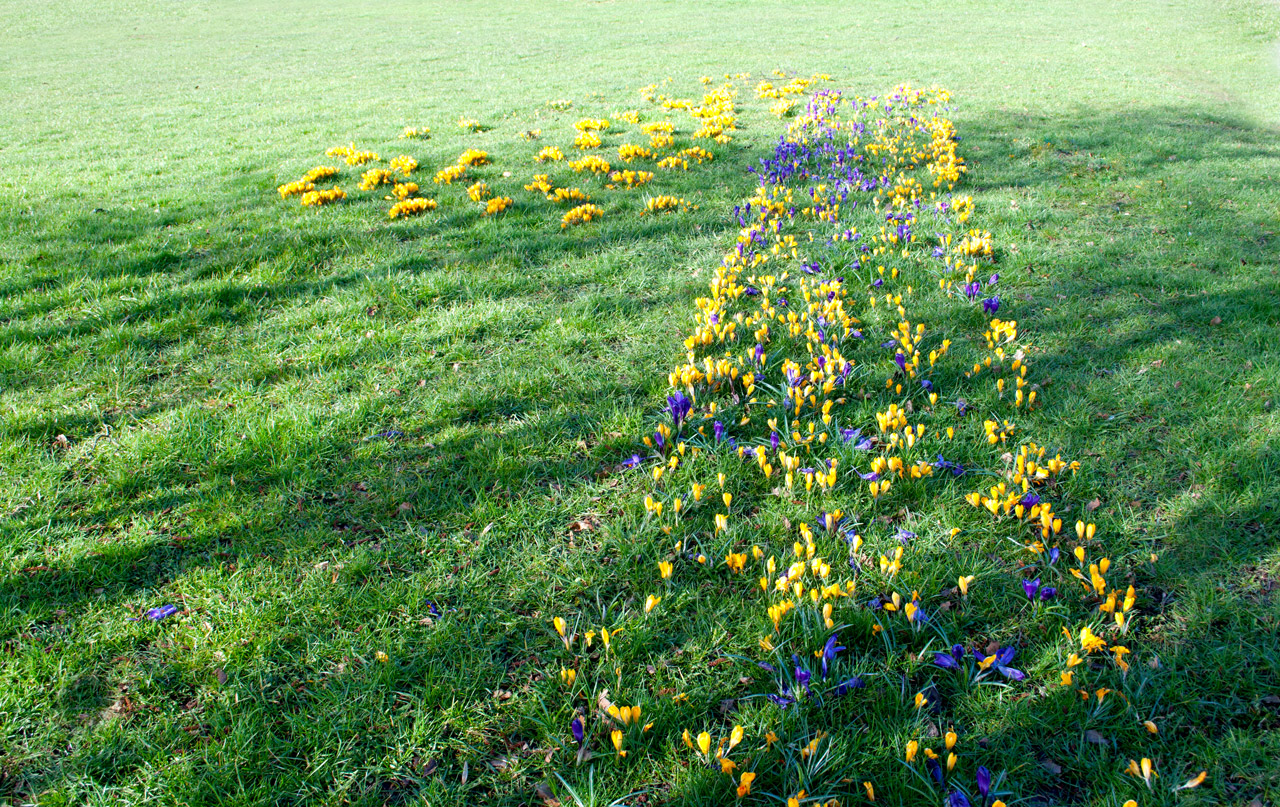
163, 612
829, 652
957, 799
1001, 661
935, 769
802, 675
719, 430
578, 729
1030, 587
843, 687
632, 461
984, 781
991, 304
678, 406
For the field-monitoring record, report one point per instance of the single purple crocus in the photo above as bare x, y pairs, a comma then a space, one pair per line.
1029, 499
775, 440
829, 652
719, 430
1054, 554
802, 675
904, 536
431, 609
1048, 593
1003, 657
579, 730
780, 700
843, 687
984, 781
957, 799
991, 304
163, 612
764, 665
995, 278
900, 359
632, 461
659, 440
870, 477
927, 384
1030, 587
935, 769
678, 406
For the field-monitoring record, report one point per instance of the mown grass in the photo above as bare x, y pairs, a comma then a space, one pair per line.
304, 428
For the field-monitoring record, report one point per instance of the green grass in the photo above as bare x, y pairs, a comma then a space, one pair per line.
221, 363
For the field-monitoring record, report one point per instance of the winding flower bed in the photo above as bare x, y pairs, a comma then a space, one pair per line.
852, 359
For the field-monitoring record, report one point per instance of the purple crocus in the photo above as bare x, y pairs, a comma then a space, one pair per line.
950, 661
719, 430
991, 304
900, 359
935, 769
1003, 656
678, 406
957, 799
163, 612
632, 461
1048, 593
802, 675
984, 781
843, 687
1030, 587
829, 652
579, 730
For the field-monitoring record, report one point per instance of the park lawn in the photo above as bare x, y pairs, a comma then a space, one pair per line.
309, 429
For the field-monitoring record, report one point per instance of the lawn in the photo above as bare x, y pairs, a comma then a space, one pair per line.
369, 461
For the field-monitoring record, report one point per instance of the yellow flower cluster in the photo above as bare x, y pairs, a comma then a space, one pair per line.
630, 151
587, 140
470, 124
318, 198
591, 125
630, 116
591, 163
404, 164
376, 176
478, 191
540, 184
531, 134
353, 155
320, 172
415, 132
450, 174
630, 179
295, 188
697, 153
580, 215
497, 204
411, 207
403, 190
568, 195
783, 107
549, 153
473, 158
661, 141
664, 204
